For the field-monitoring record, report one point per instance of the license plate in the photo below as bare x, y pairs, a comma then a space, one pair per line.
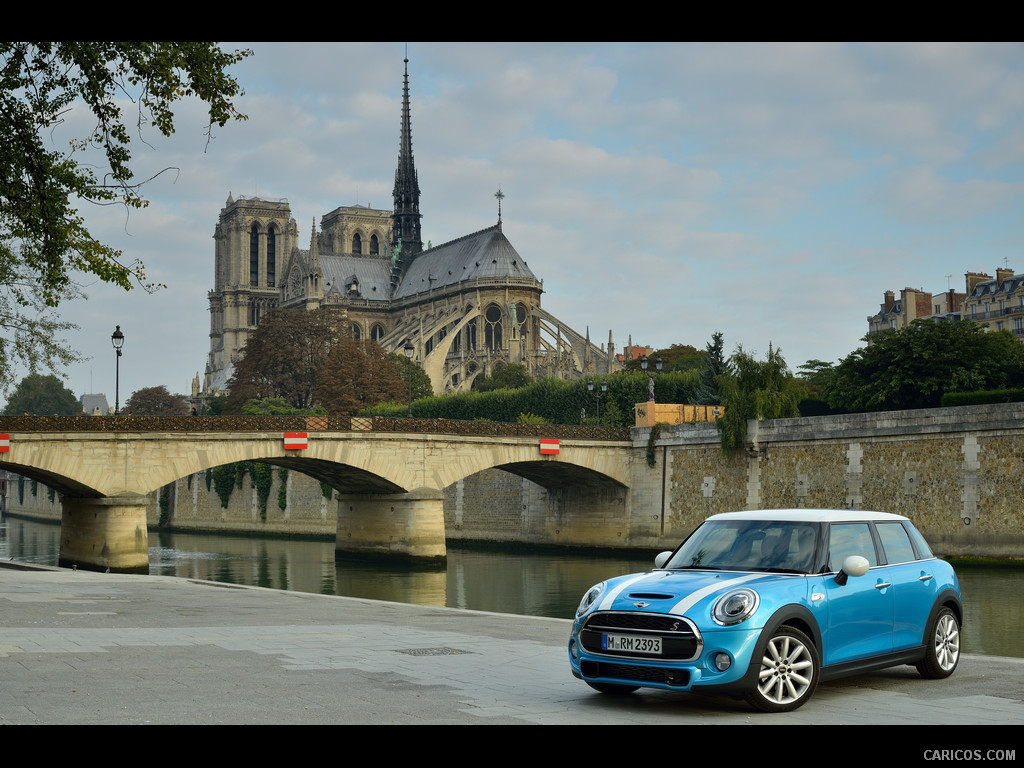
633, 643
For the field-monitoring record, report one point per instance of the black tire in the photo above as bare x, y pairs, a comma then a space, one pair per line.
941, 646
789, 672
613, 689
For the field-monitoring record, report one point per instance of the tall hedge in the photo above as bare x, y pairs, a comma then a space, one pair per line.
556, 400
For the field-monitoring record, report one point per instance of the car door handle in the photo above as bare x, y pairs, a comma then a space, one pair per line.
925, 577
883, 585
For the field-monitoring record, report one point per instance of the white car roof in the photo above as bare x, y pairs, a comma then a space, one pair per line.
808, 515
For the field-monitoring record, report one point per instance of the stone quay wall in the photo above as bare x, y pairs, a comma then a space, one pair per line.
958, 473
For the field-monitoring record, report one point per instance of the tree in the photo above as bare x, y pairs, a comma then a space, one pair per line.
359, 375
757, 389
44, 241
715, 365
509, 376
913, 367
156, 401
39, 395
303, 359
421, 386
284, 357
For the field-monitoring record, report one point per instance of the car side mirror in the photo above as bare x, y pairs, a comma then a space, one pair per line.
854, 565
661, 559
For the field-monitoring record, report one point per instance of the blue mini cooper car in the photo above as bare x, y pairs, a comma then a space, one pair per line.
764, 604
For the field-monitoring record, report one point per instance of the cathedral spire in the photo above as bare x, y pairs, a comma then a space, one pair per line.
406, 241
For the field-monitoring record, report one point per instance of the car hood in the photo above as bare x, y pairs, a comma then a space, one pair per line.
677, 592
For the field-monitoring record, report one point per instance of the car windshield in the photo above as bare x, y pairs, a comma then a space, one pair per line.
750, 545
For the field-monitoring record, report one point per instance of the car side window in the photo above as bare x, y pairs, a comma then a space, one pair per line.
847, 539
895, 543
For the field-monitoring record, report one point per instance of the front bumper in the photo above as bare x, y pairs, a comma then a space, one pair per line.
689, 659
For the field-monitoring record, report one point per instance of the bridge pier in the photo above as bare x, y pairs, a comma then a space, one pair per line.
105, 533
398, 526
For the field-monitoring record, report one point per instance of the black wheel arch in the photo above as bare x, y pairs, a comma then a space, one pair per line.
796, 616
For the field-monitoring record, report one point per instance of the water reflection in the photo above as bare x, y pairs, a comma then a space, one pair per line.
533, 584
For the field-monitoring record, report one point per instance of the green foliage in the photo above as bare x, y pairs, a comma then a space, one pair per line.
262, 479
326, 490
757, 389
224, 482
165, 506
282, 491
715, 365
510, 376
652, 438
51, 494
951, 399
44, 241
275, 406
215, 405
555, 400
531, 418
914, 367
40, 395
156, 401
421, 386
209, 478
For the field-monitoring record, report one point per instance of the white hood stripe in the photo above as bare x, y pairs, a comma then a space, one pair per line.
610, 597
693, 598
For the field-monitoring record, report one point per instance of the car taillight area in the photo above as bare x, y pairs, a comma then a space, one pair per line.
640, 635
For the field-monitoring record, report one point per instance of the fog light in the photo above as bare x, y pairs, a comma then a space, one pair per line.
722, 661
573, 650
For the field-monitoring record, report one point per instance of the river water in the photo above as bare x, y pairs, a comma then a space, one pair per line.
505, 581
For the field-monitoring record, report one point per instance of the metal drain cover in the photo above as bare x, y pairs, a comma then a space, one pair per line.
432, 651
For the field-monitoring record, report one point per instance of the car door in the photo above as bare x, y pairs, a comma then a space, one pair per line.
915, 588
860, 612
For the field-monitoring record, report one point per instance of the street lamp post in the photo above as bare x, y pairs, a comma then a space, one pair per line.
597, 395
409, 349
117, 339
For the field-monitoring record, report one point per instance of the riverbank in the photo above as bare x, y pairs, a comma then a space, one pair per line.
88, 648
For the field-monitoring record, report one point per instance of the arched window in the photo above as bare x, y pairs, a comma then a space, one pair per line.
357, 244
471, 335
492, 328
356, 333
377, 332
271, 256
254, 255
374, 246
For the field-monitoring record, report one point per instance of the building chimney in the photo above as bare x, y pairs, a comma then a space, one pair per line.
890, 299
973, 278
1002, 274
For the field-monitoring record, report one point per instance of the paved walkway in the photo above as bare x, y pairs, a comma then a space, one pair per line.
80, 647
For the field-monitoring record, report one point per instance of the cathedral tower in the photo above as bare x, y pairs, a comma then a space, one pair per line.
406, 240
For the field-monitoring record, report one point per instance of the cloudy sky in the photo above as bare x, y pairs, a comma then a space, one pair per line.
662, 191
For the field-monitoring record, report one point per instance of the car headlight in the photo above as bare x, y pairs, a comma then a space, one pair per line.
734, 607
590, 598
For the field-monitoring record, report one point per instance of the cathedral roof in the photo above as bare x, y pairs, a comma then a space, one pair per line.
481, 255
372, 274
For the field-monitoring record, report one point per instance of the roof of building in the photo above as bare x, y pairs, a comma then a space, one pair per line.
484, 254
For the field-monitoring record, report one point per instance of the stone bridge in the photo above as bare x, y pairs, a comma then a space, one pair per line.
390, 474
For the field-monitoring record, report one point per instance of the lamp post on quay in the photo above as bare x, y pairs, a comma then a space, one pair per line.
117, 339
409, 349
604, 388
650, 379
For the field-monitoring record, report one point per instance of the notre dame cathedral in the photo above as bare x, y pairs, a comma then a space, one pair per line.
467, 306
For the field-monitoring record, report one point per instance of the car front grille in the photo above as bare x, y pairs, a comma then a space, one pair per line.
680, 640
